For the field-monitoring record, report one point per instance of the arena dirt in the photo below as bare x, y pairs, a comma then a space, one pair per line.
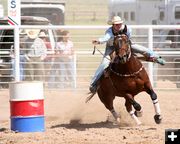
69, 120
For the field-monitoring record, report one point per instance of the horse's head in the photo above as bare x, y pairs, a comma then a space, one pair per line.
122, 48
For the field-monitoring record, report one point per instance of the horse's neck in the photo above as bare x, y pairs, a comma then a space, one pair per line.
130, 66
135, 61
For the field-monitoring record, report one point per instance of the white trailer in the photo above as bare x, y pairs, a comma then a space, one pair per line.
146, 12
150, 12
53, 10
1, 11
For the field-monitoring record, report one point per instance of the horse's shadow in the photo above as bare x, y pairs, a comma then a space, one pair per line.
82, 126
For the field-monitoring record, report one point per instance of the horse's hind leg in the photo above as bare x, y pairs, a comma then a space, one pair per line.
128, 105
157, 117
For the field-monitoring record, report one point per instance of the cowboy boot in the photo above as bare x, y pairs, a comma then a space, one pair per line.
154, 58
158, 60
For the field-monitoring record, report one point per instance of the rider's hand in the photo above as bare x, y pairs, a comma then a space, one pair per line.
95, 42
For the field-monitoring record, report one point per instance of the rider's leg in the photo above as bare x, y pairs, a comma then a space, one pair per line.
149, 54
99, 72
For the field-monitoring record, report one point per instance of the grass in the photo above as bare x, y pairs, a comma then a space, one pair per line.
85, 12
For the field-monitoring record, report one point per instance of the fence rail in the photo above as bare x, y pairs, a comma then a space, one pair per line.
85, 63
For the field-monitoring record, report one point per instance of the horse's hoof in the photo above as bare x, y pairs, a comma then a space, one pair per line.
138, 113
108, 119
158, 119
139, 123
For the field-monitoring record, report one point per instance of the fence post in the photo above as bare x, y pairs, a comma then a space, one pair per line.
74, 16
150, 45
17, 53
75, 72
94, 16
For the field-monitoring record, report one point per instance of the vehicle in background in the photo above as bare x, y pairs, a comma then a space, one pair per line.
161, 12
150, 12
153, 12
7, 45
53, 10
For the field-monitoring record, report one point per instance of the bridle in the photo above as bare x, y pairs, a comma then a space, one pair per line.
121, 44
123, 58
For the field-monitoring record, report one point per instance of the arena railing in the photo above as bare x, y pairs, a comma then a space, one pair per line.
79, 53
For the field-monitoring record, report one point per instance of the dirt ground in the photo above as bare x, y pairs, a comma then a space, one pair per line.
69, 120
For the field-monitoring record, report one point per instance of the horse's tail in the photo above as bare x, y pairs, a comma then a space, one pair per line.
89, 97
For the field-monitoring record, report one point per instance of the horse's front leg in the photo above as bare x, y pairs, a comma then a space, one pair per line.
137, 106
107, 100
128, 105
109, 105
158, 116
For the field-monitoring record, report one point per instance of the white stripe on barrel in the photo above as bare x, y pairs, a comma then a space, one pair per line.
20, 91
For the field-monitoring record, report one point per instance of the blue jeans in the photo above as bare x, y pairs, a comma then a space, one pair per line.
63, 72
105, 61
143, 50
66, 71
104, 64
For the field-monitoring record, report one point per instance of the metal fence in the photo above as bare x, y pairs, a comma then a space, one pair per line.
156, 38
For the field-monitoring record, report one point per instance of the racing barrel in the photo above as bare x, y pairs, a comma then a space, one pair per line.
27, 106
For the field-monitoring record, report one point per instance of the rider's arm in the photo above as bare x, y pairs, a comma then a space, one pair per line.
105, 38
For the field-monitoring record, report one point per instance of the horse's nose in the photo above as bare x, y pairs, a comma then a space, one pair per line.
124, 56
122, 59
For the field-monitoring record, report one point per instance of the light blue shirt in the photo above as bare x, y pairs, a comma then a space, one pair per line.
109, 36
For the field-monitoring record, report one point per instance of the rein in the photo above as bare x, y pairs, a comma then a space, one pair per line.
127, 75
128, 56
99, 52
129, 42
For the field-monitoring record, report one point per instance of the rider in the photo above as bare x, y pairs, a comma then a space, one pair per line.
118, 28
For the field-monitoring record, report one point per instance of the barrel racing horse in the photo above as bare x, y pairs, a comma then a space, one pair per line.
126, 78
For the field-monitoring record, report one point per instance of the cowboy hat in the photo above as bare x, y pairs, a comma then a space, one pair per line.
32, 33
42, 34
22, 32
115, 20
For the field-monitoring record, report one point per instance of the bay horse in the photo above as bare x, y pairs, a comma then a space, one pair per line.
126, 78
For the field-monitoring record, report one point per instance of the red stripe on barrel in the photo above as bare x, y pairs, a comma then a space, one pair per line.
27, 108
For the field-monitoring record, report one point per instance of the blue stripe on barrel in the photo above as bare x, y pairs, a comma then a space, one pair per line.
27, 124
